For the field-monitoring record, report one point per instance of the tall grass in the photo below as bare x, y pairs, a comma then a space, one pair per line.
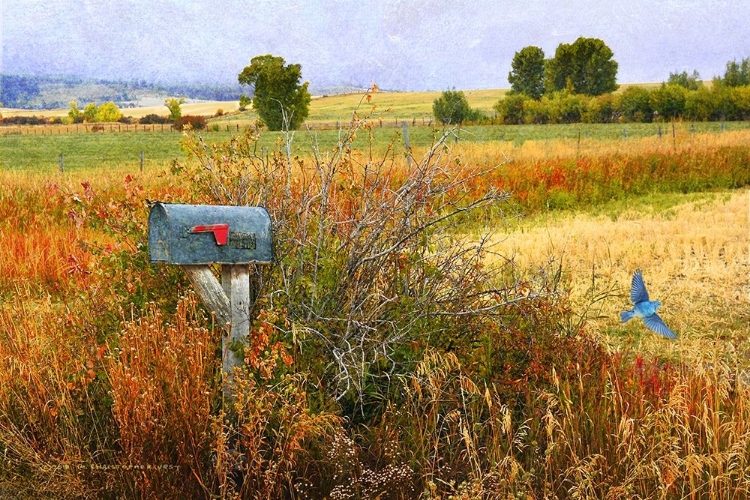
390, 356
619, 430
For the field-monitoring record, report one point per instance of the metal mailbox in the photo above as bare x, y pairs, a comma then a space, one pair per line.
207, 234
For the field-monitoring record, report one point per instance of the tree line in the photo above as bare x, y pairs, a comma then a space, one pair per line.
578, 84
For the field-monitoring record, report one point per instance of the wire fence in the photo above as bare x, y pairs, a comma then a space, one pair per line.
236, 126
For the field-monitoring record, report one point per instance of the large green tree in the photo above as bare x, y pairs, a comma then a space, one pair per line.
279, 98
585, 67
527, 72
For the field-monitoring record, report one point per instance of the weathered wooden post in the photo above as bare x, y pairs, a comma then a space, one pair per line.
407, 144
196, 236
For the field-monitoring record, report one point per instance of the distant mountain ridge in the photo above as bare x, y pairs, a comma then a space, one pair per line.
55, 92
52, 92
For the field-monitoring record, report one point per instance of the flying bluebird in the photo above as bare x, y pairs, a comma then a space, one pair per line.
645, 308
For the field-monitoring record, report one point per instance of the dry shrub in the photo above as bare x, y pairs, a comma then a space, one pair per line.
166, 395
372, 259
52, 421
162, 376
40, 245
272, 441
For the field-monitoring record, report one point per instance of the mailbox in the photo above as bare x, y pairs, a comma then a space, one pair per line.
207, 234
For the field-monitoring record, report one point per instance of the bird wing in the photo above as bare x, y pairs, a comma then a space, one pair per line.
656, 324
638, 291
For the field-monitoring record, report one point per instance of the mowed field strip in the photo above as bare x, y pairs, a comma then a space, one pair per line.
695, 257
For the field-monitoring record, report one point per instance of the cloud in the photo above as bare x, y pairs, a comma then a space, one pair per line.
407, 45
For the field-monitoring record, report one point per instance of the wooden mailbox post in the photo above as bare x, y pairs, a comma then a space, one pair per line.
195, 236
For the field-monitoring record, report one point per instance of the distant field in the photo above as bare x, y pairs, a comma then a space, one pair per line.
39, 148
400, 105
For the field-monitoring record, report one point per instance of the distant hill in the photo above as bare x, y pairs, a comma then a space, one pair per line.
47, 92
43, 92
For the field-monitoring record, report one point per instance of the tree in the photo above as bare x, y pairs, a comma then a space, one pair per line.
279, 98
690, 82
669, 100
635, 105
585, 66
737, 75
108, 112
175, 111
527, 73
89, 113
451, 107
75, 114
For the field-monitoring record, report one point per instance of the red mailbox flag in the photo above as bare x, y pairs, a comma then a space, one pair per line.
221, 231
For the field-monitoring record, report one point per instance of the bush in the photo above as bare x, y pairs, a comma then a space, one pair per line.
23, 120
191, 121
153, 119
511, 109
669, 101
601, 109
451, 108
634, 105
370, 265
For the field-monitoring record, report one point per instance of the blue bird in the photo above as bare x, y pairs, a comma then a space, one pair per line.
645, 308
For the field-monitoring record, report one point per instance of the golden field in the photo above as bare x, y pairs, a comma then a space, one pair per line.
508, 374
695, 257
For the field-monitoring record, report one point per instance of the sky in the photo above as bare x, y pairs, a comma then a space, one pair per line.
407, 45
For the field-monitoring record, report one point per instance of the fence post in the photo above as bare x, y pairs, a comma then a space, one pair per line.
405, 128
60, 163
141, 158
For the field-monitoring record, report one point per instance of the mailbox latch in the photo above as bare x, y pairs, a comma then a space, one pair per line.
221, 231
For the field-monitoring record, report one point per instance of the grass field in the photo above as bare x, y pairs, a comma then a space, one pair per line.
105, 149
499, 368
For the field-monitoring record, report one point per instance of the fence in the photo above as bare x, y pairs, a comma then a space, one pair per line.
82, 128
59, 129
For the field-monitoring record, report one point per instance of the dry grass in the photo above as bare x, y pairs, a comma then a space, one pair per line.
499, 152
91, 374
694, 257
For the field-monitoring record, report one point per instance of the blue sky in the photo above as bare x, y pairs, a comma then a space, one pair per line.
398, 44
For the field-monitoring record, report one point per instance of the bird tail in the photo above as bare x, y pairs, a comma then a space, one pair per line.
626, 315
